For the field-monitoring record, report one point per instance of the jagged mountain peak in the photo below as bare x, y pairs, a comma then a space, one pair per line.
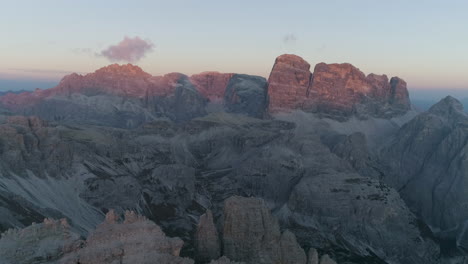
447, 106
123, 69
292, 60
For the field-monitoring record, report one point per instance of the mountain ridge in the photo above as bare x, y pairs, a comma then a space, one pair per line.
338, 91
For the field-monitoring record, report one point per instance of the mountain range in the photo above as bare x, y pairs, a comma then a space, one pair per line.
322, 166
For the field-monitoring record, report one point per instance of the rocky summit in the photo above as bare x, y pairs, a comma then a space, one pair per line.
334, 90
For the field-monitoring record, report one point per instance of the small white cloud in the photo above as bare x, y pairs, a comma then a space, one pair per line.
128, 50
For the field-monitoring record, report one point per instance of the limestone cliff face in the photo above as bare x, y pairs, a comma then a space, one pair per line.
252, 234
338, 91
289, 82
39, 243
211, 84
135, 240
427, 162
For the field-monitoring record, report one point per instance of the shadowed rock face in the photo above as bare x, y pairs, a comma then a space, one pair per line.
427, 163
135, 240
252, 234
246, 94
125, 96
334, 90
399, 93
207, 245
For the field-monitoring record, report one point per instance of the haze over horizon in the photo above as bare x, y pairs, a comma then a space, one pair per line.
420, 43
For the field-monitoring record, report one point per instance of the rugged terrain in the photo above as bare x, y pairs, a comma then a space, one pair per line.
303, 168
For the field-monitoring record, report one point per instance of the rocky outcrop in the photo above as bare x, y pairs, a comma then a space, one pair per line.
426, 161
246, 94
125, 96
289, 82
116, 95
207, 245
212, 85
399, 94
39, 243
338, 91
325, 259
312, 256
135, 240
354, 149
252, 234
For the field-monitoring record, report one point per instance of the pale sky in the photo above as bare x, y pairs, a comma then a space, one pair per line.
424, 42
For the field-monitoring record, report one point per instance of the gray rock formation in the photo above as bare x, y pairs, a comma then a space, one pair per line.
46, 242
207, 244
172, 173
246, 94
325, 259
252, 234
312, 256
427, 164
135, 240
225, 260
117, 95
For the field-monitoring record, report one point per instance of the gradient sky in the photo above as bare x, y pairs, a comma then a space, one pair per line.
424, 42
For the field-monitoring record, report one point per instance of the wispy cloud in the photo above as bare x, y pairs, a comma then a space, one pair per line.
289, 39
129, 50
39, 71
86, 51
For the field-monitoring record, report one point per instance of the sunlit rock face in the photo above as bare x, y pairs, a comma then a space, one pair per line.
212, 85
289, 83
129, 241
338, 91
399, 93
207, 243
